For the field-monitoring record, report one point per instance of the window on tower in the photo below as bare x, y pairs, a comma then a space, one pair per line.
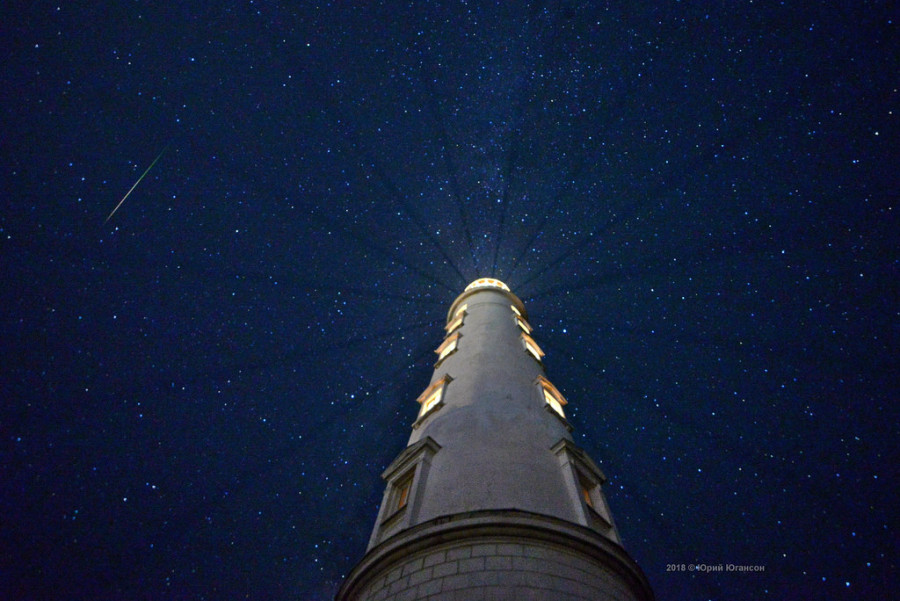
401, 492
406, 478
586, 489
592, 496
586, 493
585, 481
531, 346
457, 321
552, 397
448, 347
516, 311
432, 399
523, 324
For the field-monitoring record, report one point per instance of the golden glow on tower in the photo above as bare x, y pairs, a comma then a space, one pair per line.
447, 347
524, 325
553, 402
432, 397
457, 321
552, 396
487, 283
403, 492
532, 347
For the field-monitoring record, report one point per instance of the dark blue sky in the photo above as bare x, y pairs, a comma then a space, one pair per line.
697, 205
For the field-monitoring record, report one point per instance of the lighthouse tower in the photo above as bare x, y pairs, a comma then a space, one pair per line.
491, 498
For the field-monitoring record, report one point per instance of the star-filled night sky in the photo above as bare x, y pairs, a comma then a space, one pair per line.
697, 204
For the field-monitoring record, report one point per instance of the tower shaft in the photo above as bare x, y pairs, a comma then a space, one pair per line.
491, 497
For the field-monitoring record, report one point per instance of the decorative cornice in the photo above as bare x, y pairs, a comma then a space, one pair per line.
581, 456
408, 455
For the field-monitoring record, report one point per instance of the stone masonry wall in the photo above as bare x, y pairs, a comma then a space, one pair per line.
497, 570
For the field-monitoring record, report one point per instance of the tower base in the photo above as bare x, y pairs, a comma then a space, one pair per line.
498, 555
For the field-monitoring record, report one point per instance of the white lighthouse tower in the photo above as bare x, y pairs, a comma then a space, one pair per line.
491, 499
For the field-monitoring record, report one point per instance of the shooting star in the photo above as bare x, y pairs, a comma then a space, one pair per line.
127, 194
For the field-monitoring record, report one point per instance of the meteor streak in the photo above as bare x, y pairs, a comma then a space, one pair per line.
127, 194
